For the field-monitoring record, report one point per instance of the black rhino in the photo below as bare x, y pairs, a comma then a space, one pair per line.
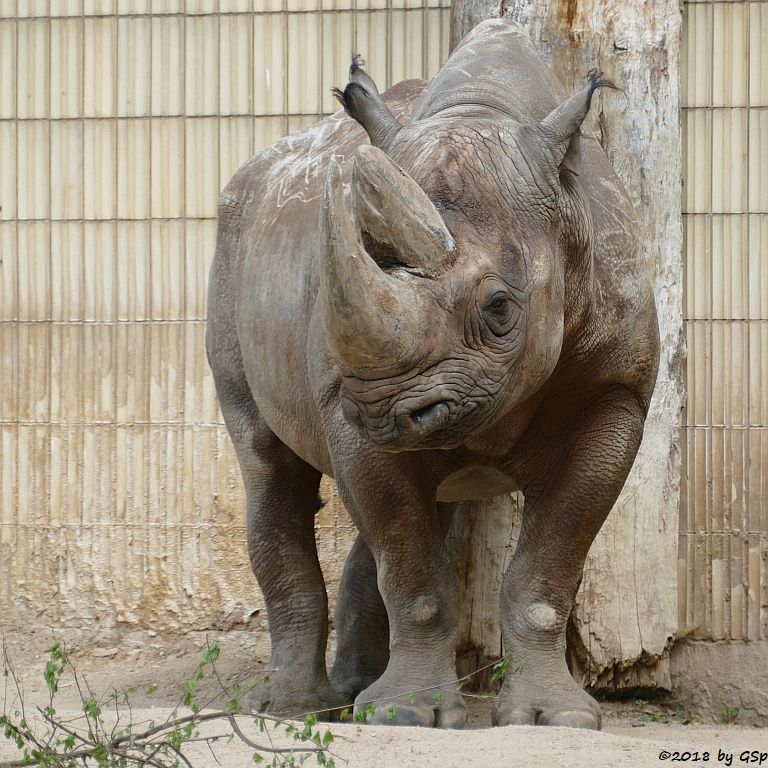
449, 304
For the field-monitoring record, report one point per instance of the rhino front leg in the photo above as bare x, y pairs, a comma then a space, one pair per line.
396, 513
362, 628
564, 509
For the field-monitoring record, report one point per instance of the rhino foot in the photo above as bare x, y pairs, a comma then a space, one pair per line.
429, 709
282, 697
523, 703
349, 687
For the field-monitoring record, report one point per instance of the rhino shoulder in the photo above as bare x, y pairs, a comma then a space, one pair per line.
293, 167
621, 341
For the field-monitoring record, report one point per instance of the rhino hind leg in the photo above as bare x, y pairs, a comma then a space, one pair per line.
362, 628
564, 509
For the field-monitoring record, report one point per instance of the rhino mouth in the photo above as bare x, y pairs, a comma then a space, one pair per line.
413, 425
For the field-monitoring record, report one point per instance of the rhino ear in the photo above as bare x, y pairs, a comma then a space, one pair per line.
400, 225
561, 125
362, 102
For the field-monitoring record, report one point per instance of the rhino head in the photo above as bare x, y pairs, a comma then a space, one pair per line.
448, 265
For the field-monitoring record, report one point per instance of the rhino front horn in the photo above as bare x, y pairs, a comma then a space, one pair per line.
371, 319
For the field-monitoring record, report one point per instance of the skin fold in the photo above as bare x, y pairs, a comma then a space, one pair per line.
434, 295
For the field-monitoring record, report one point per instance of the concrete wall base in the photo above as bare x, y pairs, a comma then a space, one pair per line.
710, 677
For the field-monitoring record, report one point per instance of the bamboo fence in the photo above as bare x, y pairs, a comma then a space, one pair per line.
120, 496
723, 544
120, 120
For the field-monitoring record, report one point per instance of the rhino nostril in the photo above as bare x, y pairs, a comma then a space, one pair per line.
429, 417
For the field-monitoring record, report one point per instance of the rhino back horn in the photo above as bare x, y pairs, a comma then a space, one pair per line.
395, 212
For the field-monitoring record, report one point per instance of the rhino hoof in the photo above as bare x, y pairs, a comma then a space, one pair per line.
282, 702
564, 716
421, 709
573, 718
515, 717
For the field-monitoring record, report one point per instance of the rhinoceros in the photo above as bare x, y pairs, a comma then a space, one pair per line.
434, 295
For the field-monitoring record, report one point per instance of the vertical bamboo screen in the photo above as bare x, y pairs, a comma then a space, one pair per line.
723, 575
120, 120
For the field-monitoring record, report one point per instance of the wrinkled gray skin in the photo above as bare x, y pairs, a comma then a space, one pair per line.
456, 312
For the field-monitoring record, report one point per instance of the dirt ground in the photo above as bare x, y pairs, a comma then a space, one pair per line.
634, 733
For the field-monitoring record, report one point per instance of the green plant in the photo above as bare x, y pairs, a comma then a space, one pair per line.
501, 669
651, 716
105, 734
730, 714
113, 740
367, 711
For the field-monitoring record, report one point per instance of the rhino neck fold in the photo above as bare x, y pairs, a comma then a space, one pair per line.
577, 246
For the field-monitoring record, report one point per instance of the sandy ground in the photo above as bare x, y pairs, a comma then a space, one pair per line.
631, 736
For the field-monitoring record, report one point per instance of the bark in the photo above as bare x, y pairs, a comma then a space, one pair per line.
626, 610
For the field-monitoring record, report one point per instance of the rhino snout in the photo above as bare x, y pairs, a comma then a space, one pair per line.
398, 423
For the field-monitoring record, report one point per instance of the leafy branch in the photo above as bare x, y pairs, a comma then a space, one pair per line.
97, 736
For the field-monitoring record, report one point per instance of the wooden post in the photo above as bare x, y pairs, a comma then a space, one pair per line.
626, 608
482, 539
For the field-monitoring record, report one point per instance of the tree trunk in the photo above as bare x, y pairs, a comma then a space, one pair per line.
482, 539
626, 608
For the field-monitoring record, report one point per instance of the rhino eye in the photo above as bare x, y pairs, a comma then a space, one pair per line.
498, 313
498, 302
